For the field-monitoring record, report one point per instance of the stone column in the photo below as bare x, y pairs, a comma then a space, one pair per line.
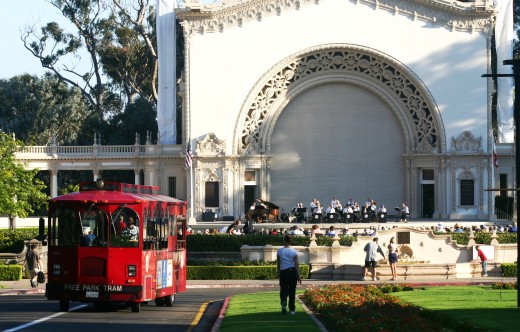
54, 182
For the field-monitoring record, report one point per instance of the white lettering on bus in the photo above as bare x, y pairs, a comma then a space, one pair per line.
115, 288
91, 288
71, 287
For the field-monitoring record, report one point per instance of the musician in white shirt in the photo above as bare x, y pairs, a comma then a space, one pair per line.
331, 209
335, 203
313, 205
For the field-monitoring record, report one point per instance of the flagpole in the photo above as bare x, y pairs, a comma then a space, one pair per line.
192, 218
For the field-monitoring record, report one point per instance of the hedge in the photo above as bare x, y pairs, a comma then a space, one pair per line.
481, 237
238, 272
509, 269
10, 272
226, 242
13, 241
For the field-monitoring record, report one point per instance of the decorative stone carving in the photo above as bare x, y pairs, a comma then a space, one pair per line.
349, 61
458, 15
211, 146
211, 176
466, 143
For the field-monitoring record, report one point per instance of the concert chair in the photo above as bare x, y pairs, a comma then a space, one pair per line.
316, 217
332, 217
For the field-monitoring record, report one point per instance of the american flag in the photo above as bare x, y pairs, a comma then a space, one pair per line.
189, 156
495, 156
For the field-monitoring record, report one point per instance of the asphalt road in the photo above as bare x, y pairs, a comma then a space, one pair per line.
33, 312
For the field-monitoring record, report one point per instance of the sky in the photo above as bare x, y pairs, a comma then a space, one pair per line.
15, 59
15, 14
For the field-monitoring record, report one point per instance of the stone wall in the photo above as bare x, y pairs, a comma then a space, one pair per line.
422, 255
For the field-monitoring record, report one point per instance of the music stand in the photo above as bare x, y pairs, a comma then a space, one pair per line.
300, 214
316, 217
365, 217
332, 217
398, 210
382, 217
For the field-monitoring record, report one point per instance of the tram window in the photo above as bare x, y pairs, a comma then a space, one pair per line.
124, 228
71, 227
94, 227
67, 228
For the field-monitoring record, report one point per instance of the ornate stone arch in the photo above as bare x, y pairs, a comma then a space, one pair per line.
391, 80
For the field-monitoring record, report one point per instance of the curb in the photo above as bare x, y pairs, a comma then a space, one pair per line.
221, 315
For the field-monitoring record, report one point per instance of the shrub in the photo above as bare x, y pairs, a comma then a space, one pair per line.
221, 272
505, 285
226, 242
10, 272
509, 269
481, 237
13, 241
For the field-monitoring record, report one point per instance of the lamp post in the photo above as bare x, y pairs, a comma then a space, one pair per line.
516, 115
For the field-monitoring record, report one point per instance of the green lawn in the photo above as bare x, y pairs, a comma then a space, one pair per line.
485, 308
262, 312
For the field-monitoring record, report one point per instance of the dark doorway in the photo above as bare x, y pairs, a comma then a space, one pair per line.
249, 197
428, 200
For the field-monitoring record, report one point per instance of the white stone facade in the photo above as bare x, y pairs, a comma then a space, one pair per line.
380, 99
294, 100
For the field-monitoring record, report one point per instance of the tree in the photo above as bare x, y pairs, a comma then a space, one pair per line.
39, 111
119, 40
129, 54
20, 190
55, 49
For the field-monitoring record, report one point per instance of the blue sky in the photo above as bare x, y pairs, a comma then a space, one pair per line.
15, 14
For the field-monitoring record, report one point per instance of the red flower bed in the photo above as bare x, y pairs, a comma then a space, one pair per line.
346, 307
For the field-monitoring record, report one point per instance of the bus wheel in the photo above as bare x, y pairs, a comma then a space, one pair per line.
159, 302
168, 300
136, 306
64, 305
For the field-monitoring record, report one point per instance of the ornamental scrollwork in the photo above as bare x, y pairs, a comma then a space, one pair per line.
349, 62
211, 145
466, 143
460, 16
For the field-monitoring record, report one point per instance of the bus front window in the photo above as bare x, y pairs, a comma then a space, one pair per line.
72, 228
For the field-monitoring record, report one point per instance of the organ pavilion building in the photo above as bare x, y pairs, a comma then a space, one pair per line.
290, 100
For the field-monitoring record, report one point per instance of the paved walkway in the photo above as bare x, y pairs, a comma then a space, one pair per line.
23, 286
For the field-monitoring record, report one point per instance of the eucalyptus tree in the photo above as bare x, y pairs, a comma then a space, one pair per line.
109, 52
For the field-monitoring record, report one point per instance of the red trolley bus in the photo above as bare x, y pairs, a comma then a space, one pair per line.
116, 242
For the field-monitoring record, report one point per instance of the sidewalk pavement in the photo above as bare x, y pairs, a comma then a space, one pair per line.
23, 286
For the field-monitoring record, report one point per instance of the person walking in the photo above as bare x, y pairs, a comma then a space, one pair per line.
288, 270
372, 248
392, 257
483, 260
34, 264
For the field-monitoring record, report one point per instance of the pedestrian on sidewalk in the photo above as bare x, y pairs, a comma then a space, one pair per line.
288, 270
483, 260
34, 264
372, 248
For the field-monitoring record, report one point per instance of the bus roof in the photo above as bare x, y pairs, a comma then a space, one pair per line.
117, 193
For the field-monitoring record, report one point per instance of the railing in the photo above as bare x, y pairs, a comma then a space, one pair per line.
57, 152
501, 215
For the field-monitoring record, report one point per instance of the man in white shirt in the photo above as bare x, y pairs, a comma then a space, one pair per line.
289, 274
